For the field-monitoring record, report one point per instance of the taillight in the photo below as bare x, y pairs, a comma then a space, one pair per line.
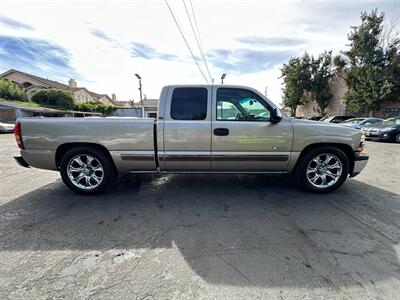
18, 135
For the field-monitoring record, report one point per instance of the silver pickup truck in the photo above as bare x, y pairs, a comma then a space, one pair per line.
199, 129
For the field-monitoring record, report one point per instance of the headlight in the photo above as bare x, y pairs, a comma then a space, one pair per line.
388, 129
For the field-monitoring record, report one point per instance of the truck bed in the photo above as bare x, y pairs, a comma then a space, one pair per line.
42, 136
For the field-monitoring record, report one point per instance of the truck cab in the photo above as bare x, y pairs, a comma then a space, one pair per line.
221, 128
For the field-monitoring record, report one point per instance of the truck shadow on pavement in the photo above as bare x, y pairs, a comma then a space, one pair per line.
233, 230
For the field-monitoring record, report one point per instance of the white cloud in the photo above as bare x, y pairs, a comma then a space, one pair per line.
99, 37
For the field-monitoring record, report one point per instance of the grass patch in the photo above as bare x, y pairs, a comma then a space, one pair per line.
20, 103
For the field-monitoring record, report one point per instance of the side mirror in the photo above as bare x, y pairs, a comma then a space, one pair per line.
276, 115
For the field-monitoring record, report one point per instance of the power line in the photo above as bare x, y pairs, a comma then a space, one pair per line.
183, 36
195, 22
195, 36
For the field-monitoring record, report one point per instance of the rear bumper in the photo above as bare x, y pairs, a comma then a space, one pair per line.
21, 161
360, 162
6, 130
42, 159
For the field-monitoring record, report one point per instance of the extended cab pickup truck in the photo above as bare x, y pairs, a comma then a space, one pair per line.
199, 129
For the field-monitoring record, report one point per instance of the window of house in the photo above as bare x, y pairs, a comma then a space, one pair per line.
189, 104
152, 115
240, 105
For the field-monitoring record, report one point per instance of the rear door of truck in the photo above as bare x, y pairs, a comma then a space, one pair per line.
186, 126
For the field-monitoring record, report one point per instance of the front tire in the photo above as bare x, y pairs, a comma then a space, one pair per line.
397, 138
86, 170
323, 169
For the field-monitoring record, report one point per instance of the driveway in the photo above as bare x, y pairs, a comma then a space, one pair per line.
200, 237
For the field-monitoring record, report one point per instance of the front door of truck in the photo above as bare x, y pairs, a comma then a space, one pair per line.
243, 136
187, 129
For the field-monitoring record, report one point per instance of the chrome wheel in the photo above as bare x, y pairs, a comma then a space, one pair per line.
397, 138
85, 171
324, 170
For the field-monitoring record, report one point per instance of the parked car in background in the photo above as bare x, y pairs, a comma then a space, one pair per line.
6, 127
359, 123
314, 118
387, 130
335, 119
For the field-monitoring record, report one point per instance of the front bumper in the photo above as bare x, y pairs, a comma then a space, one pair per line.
360, 162
21, 161
380, 136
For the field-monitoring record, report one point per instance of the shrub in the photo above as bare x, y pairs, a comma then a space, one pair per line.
10, 91
95, 107
54, 98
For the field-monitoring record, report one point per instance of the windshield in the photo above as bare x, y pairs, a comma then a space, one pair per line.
354, 121
326, 119
391, 121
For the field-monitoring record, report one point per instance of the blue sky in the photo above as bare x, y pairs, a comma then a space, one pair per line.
102, 44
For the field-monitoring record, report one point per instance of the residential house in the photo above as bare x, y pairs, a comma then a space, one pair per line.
31, 83
149, 108
125, 104
145, 109
338, 107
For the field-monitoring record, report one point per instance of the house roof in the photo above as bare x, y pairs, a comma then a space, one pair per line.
101, 95
56, 84
49, 82
149, 103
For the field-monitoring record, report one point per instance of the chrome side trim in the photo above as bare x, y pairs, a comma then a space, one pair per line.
144, 172
186, 157
271, 157
223, 157
207, 172
142, 157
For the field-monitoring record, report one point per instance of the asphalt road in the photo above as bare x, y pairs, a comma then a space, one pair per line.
200, 237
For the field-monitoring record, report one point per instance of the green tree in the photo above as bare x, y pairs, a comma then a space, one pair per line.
321, 73
95, 107
10, 91
296, 76
371, 65
54, 98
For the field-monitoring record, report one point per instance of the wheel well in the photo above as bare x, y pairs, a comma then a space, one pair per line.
345, 148
62, 149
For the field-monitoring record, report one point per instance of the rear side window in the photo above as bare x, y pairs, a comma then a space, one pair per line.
189, 104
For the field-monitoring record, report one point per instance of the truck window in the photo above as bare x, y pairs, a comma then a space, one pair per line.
227, 110
189, 104
240, 105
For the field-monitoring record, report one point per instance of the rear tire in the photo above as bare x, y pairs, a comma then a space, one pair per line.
87, 170
323, 169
